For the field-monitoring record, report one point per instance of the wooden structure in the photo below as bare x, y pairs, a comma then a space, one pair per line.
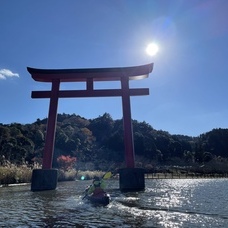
89, 76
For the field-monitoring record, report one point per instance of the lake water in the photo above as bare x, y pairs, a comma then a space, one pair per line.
164, 203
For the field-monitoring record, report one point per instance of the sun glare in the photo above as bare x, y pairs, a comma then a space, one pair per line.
152, 49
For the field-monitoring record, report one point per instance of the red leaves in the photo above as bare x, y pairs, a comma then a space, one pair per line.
66, 162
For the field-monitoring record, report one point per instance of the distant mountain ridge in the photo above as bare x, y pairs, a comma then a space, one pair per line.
101, 139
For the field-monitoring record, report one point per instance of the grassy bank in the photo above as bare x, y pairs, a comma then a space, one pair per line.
14, 174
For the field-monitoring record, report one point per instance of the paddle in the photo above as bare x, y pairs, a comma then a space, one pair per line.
105, 177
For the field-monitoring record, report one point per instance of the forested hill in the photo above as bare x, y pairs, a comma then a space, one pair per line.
100, 140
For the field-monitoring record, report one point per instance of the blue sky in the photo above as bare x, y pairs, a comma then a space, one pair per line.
188, 86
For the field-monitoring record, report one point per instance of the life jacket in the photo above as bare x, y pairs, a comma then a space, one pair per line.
98, 191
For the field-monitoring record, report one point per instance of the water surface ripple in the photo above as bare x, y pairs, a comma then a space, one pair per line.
164, 203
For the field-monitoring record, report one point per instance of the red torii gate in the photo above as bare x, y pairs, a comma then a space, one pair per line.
56, 76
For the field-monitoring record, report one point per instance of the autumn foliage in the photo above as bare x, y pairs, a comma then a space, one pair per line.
66, 162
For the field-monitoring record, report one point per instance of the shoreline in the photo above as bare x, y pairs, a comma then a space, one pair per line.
14, 185
147, 176
184, 176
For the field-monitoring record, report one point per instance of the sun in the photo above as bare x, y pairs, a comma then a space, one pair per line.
152, 49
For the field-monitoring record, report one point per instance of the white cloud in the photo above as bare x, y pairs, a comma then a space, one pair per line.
5, 73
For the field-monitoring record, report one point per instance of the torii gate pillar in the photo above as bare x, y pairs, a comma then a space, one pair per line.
131, 178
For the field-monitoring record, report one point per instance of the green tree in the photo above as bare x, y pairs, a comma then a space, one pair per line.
102, 127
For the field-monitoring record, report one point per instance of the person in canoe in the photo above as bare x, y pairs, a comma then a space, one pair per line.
97, 188
95, 193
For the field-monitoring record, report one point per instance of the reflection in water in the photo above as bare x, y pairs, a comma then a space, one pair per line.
164, 203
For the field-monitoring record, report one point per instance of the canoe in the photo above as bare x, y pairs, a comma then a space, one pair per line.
101, 199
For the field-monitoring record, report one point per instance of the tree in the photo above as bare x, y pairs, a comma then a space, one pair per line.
102, 139
102, 127
66, 162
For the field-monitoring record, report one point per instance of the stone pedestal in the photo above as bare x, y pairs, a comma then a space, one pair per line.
44, 179
131, 179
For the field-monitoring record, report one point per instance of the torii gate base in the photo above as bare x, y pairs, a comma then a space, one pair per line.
44, 179
131, 178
